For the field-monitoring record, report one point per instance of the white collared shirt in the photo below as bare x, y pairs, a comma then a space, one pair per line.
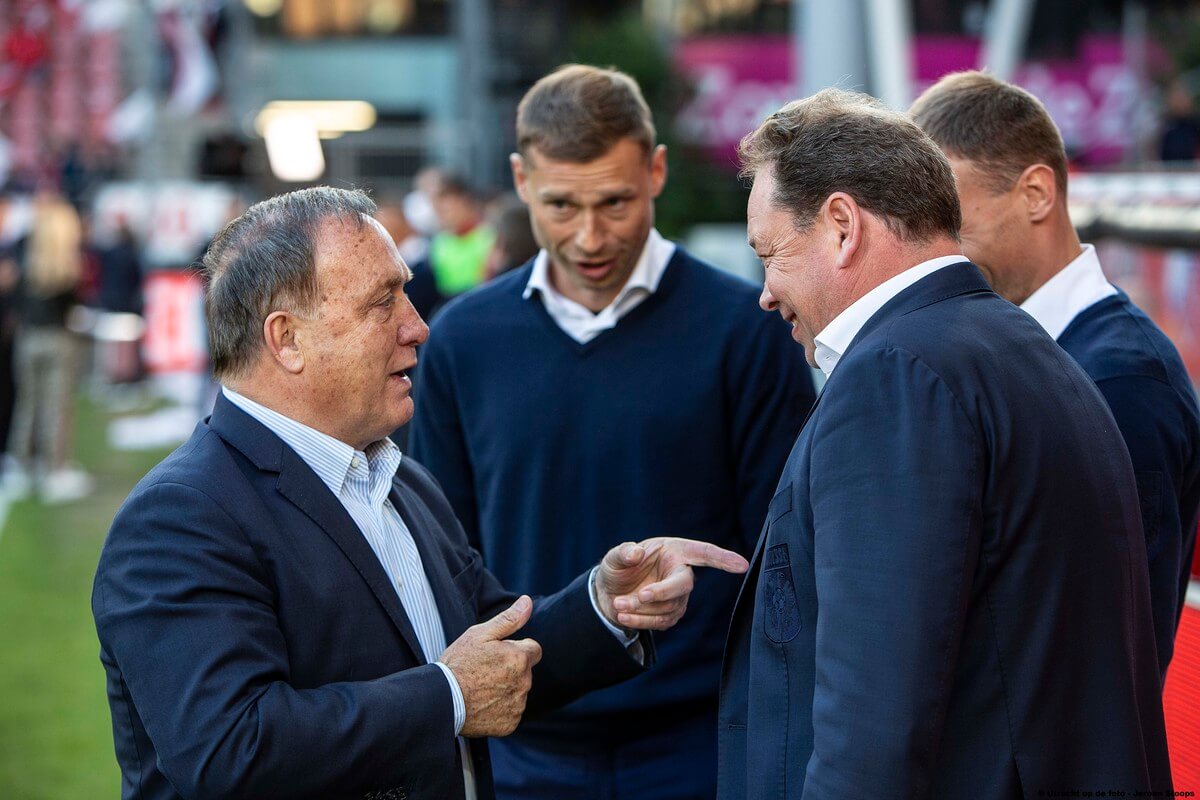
1076, 287
831, 343
580, 323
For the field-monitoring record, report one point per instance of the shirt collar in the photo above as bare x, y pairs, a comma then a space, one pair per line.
1077, 286
646, 275
331, 459
831, 343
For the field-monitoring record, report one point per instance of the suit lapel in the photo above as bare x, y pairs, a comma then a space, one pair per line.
751, 579
300, 485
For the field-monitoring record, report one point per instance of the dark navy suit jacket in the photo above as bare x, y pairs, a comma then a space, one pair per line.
949, 598
255, 647
1142, 377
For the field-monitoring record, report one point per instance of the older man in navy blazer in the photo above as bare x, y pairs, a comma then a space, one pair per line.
949, 598
286, 606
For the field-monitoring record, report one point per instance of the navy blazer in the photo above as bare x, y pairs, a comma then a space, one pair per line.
1140, 374
949, 598
255, 647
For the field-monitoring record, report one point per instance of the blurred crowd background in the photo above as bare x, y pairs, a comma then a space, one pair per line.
131, 130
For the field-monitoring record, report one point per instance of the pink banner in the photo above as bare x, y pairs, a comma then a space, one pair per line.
1095, 98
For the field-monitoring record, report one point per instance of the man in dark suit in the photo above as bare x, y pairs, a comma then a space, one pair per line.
949, 598
1011, 171
275, 600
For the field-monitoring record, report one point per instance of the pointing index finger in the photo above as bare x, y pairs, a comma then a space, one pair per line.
707, 554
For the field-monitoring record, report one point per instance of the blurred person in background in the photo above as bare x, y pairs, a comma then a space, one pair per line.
10, 236
414, 249
47, 357
515, 243
1010, 169
459, 250
614, 383
418, 203
120, 300
411, 243
1180, 139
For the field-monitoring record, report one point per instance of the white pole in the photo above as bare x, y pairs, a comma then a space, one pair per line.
829, 38
1004, 37
889, 31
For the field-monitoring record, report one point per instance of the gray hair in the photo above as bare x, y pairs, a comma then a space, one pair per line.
839, 141
265, 261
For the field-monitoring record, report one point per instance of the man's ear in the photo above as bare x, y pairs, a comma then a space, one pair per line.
844, 223
1038, 190
279, 335
517, 162
658, 169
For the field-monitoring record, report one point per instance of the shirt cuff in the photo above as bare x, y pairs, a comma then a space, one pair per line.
460, 705
626, 638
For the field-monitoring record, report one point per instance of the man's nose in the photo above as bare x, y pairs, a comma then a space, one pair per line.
766, 301
590, 237
412, 331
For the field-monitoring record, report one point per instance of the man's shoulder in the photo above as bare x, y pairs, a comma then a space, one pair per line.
726, 304
200, 467
708, 279
1116, 339
961, 338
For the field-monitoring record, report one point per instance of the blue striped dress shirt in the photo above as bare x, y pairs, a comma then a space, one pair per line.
361, 481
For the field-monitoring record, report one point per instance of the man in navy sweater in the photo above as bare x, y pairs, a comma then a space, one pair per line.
615, 384
1011, 170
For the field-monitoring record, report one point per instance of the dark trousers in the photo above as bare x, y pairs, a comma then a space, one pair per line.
678, 763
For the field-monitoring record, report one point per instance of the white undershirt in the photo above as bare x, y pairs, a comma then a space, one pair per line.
1075, 288
579, 322
831, 343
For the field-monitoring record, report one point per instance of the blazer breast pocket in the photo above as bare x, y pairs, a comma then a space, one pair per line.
780, 504
781, 614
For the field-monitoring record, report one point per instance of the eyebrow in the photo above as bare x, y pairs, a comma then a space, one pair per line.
551, 195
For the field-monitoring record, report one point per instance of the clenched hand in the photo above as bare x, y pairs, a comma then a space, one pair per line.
493, 673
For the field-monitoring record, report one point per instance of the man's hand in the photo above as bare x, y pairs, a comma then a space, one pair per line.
646, 585
493, 673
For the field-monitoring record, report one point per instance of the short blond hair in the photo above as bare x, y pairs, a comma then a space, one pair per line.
997, 126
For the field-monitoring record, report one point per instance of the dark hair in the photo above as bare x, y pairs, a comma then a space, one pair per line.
1000, 127
265, 261
456, 185
578, 112
839, 141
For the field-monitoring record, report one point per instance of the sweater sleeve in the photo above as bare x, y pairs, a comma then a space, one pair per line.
770, 392
437, 439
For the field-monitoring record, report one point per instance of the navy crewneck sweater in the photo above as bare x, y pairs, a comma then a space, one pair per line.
677, 422
1142, 377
